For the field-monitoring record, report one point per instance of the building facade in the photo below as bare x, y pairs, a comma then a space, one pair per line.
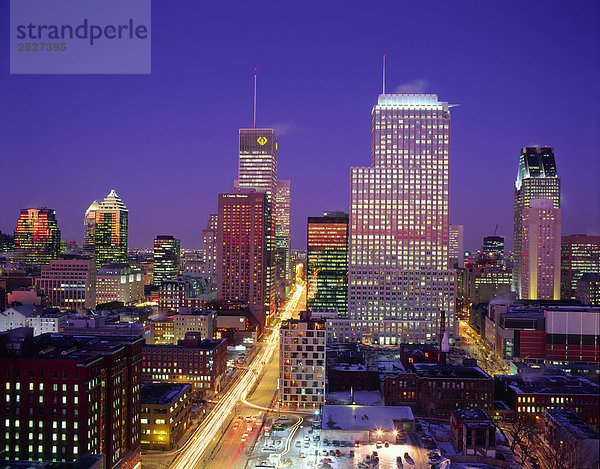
68, 396
188, 320
399, 219
37, 237
111, 231
283, 204
119, 282
69, 284
456, 246
89, 228
327, 262
540, 251
166, 258
537, 178
302, 363
580, 254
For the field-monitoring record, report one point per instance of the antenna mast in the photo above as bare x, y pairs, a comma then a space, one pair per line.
383, 92
254, 120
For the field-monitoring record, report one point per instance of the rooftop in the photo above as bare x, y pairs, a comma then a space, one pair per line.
162, 393
470, 414
364, 418
568, 419
434, 370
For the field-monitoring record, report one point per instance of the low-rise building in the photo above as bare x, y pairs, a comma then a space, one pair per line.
302, 363
201, 362
119, 282
166, 414
69, 283
434, 390
164, 330
472, 432
98, 326
40, 320
189, 320
575, 444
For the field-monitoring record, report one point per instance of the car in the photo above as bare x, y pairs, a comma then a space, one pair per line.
336, 443
302, 455
331, 452
306, 438
326, 460
368, 458
338, 452
307, 444
378, 444
326, 442
362, 465
356, 443
351, 453
386, 444
316, 437
406, 455
298, 443
375, 454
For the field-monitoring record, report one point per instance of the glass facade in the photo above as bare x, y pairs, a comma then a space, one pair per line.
110, 244
399, 220
327, 262
166, 258
37, 237
580, 254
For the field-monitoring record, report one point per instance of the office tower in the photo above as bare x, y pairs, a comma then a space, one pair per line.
493, 250
302, 379
69, 283
540, 251
257, 164
119, 282
66, 396
110, 244
456, 246
166, 258
89, 227
283, 203
580, 254
243, 276
37, 237
327, 262
209, 247
399, 222
537, 178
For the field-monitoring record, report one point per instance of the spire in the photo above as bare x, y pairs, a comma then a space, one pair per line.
383, 87
254, 120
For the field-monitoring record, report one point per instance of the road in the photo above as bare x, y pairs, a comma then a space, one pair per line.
216, 433
477, 348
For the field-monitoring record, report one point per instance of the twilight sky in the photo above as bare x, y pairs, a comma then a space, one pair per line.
524, 73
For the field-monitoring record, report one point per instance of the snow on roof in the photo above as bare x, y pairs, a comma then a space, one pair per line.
364, 418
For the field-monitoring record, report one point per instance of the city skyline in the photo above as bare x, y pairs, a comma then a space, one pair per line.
500, 113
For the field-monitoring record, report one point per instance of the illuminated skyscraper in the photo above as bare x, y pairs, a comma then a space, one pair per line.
166, 258
282, 230
37, 237
89, 227
242, 254
540, 251
257, 163
493, 250
456, 247
327, 262
399, 223
209, 248
580, 254
110, 243
537, 178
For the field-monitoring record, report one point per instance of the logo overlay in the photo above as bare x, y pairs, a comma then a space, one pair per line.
80, 36
261, 140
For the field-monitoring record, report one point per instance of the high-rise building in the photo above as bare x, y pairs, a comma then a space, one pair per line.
110, 244
89, 227
540, 251
166, 258
327, 262
580, 254
537, 178
69, 283
209, 247
493, 250
283, 203
456, 248
243, 276
257, 164
37, 237
399, 222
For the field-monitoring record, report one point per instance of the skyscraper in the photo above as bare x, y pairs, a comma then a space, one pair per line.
282, 230
580, 254
37, 237
110, 244
327, 262
209, 248
493, 250
89, 227
257, 163
399, 222
456, 246
166, 258
243, 255
537, 178
540, 251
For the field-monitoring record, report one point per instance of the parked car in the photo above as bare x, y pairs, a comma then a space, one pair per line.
378, 445
298, 443
338, 452
386, 444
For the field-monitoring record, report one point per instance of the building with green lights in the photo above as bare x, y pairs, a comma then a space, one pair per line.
327, 262
110, 235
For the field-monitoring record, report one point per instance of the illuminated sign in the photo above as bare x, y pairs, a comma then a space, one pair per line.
261, 140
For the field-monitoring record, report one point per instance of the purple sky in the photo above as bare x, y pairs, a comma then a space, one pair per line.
525, 73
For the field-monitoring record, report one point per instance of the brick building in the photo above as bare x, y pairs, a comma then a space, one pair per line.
435, 390
67, 396
201, 362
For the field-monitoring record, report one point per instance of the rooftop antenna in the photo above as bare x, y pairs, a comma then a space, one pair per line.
254, 121
383, 92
